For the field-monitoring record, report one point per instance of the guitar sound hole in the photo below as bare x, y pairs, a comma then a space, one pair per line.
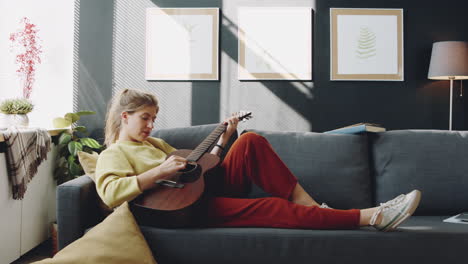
191, 172
190, 167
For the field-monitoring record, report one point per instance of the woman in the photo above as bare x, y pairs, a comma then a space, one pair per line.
134, 161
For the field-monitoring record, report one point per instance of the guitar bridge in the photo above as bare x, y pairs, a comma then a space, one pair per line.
169, 183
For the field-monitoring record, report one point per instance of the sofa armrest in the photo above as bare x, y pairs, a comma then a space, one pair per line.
77, 209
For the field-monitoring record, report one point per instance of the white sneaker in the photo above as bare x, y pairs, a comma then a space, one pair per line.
324, 205
395, 211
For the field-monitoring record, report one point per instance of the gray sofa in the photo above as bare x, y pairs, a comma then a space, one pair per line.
345, 171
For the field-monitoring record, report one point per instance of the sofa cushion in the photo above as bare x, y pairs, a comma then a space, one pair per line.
188, 137
332, 168
117, 239
433, 161
88, 162
418, 240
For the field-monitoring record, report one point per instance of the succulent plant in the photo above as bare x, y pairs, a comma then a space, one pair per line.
18, 106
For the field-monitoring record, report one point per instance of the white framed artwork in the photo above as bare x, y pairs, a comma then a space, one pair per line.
366, 44
182, 44
275, 43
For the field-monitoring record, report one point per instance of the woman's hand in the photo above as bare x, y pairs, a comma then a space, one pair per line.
232, 123
170, 166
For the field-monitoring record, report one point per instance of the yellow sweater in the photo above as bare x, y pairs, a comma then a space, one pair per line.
118, 165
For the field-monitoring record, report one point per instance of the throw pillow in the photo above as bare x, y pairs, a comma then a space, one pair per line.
88, 162
117, 239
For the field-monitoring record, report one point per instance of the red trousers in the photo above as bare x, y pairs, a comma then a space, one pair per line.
251, 159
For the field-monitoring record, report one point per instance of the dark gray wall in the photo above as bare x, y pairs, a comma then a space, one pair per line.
93, 69
117, 59
415, 103
277, 105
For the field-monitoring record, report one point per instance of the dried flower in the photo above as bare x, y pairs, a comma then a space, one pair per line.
26, 42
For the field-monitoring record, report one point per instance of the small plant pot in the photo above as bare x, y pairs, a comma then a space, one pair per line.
54, 238
10, 120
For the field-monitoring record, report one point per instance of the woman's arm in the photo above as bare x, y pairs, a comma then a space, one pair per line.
168, 168
224, 138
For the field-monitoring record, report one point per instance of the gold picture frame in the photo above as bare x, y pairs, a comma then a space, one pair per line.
275, 43
366, 44
182, 44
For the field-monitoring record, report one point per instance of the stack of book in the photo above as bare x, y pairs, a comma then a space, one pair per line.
357, 129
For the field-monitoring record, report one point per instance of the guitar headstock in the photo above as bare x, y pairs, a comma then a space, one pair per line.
244, 115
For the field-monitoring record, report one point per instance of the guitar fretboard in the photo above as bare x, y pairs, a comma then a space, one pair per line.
206, 144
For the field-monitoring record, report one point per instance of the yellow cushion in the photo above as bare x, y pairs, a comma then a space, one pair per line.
115, 240
88, 162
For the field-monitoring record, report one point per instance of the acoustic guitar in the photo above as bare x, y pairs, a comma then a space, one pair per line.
174, 201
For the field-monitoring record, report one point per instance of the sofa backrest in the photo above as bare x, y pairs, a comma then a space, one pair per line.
188, 137
331, 168
433, 161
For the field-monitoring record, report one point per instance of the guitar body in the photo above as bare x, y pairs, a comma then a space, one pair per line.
177, 202
167, 206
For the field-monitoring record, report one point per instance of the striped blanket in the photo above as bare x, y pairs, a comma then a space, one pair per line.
26, 148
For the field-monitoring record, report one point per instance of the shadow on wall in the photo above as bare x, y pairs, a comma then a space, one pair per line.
91, 99
296, 95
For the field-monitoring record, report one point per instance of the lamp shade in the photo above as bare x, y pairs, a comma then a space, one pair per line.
449, 60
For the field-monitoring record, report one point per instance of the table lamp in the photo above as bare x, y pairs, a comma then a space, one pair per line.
449, 61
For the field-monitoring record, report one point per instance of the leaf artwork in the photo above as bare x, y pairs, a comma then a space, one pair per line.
366, 44
189, 28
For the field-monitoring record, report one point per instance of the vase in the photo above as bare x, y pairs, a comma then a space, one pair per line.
16, 120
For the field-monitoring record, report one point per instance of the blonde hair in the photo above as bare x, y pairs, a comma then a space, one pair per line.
127, 100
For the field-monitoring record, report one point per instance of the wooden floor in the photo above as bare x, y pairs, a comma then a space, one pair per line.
40, 252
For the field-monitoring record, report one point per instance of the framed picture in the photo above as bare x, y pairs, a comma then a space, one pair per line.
275, 43
182, 44
366, 44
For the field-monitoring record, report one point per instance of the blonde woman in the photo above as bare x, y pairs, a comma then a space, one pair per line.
134, 161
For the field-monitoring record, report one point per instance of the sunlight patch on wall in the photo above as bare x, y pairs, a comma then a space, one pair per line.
175, 98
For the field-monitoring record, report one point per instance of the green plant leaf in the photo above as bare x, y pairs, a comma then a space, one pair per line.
90, 143
82, 113
70, 159
61, 122
74, 147
73, 168
63, 150
72, 117
64, 138
81, 129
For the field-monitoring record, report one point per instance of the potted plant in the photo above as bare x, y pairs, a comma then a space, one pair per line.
70, 142
14, 112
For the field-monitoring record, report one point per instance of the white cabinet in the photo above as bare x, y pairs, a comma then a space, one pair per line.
10, 219
24, 224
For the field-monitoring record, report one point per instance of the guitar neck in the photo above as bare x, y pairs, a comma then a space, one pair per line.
206, 144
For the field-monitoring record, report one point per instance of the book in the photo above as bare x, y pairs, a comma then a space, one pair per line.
357, 129
458, 219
